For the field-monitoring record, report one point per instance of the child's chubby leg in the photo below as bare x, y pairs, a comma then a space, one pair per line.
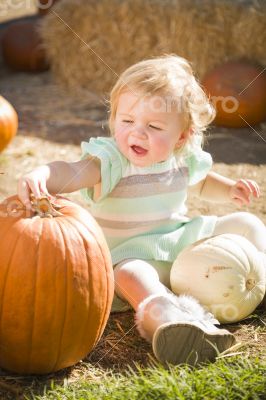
243, 224
135, 280
180, 330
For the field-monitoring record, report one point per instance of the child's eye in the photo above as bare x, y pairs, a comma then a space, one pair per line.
155, 127
127, 121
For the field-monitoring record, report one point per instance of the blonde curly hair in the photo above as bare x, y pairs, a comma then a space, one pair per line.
171, 77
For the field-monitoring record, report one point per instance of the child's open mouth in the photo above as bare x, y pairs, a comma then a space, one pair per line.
139, 150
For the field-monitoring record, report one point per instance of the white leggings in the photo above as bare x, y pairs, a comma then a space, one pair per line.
137, 279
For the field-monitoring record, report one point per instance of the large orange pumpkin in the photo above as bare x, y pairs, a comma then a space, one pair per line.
22, 47
8, 123
238, 91
56, 287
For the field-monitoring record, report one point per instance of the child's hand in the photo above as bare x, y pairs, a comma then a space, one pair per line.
33, 183
243, 190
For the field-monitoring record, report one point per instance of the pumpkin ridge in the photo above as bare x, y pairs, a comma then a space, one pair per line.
85, 226
90, 292
66, 300
6, 276
103, 322
47, 317
243, 252
74, 222
231, 253
28, 363
226, 251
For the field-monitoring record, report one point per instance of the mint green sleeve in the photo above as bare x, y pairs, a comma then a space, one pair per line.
199, 163
112, 164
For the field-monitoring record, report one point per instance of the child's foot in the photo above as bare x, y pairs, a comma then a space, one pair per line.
189, 342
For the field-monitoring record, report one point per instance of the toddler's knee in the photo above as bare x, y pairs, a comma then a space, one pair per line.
134, 280
121, 272
252, 228
131, 271
251, 221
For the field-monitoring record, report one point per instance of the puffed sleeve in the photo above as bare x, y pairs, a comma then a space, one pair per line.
112, 164
199, 163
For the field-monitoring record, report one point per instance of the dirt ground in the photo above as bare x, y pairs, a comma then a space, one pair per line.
53, 122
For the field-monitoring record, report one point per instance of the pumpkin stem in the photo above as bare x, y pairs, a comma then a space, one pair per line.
43, 207
250, 284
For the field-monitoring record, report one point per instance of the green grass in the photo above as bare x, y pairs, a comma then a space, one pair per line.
122, 366
234, 379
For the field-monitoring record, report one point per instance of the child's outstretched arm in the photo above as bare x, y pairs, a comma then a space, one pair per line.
59, 177
218, 188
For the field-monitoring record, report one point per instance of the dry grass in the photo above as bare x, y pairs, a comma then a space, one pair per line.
90, 42
121, 348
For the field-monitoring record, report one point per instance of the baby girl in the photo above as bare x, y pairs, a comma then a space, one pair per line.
136, 183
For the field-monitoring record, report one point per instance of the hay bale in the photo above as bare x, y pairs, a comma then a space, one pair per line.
249, 34
122, 32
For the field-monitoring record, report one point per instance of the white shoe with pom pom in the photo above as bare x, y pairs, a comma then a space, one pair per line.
180, 330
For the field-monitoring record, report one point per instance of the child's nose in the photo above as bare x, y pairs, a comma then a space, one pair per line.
140, 132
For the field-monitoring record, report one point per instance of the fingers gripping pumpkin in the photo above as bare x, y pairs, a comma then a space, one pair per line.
56, 286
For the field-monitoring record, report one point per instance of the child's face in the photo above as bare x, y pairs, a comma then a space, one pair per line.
146, 129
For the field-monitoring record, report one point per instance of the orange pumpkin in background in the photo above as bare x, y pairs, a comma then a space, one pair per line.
56, 285
8, 123
22, 47
238, 91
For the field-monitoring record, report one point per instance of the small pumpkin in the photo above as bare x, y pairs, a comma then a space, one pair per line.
44, 6
225, 273
8, 123
56, 285
22, 47
238, 92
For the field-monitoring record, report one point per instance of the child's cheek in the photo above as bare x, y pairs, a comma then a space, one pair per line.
120, 138
161, 144
119, 131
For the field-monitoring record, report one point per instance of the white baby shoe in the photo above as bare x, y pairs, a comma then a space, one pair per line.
180, 330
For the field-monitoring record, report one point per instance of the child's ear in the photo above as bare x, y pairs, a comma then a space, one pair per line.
183, 138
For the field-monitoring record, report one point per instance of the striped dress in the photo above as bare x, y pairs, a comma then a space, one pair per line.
142, 210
